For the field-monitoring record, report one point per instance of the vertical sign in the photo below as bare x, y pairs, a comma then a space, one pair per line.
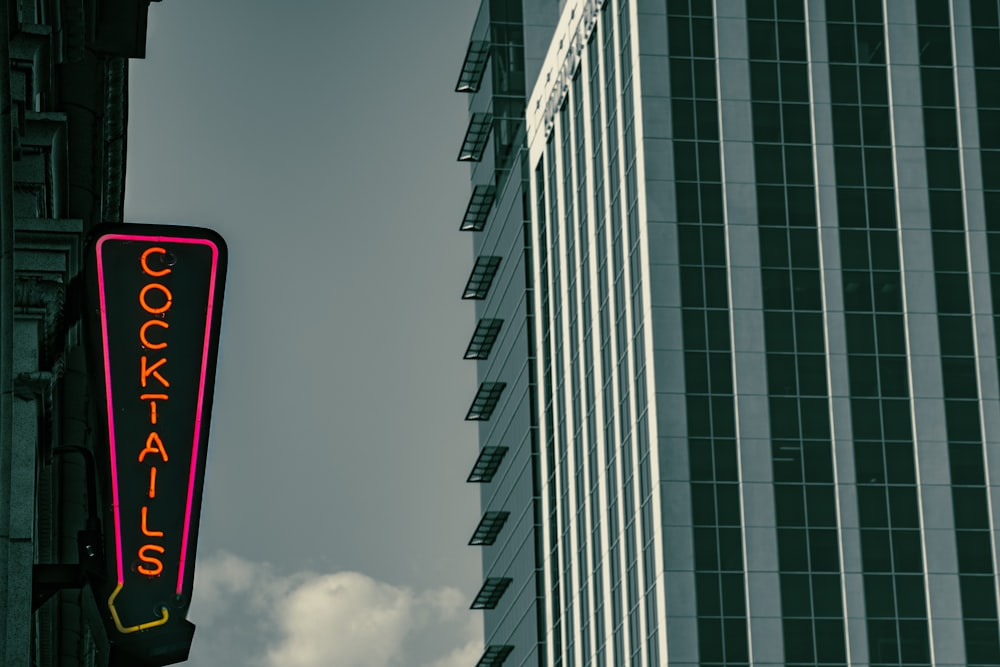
154, 300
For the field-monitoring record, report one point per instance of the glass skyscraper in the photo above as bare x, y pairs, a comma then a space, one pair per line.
746, 409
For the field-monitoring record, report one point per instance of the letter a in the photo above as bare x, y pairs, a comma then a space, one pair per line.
153, 446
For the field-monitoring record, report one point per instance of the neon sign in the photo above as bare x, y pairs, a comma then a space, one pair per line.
155, 309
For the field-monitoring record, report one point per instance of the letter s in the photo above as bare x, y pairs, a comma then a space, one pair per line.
152, 560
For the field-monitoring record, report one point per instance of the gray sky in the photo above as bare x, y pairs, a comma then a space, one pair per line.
319, 138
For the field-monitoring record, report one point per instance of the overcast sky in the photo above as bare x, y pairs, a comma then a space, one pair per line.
319, 138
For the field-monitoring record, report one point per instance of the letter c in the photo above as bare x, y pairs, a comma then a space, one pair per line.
145, 341
143, 261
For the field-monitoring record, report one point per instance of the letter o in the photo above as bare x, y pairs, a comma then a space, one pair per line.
145, 341
149, 309
144, 262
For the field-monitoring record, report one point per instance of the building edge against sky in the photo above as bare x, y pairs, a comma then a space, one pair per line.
64, 86
761, 355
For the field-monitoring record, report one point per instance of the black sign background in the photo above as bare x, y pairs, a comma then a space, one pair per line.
150, 560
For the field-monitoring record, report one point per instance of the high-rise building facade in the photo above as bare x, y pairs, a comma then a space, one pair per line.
759, 359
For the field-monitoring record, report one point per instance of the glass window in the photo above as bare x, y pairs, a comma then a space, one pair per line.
970, 507
987, 88
681, 83
805, 250
899, 463
849, 167
881, 208
801, 206
683, 119
807, 289
685, 160
876, 554
792, 40
696, 372
794, 82
799, 641
792, 550
844, 84
869, 468
863, 375
778, 331
946, 209
840, 38
769, 163
781, 374
704, 79
935, 45
857, 291
870, 39
824, 550
760, 9
812, 374
966, 461
978, 598
795, 595
764, 80
708, 594
809, 332
821, 504
952, 292
984, 43
703, 37
708, 161
989, 131
815, 418
892, 375
777, 288
875, 132
879, 598
763, 39
798, 164
942, 168
846, 124
854, 250
896, 418
817, 461
873, 88
885, 285
826, 595
679, 36
796, 127
766, 121
889, 333
939, 128
708, 119
949, 251
974, 552
937, 86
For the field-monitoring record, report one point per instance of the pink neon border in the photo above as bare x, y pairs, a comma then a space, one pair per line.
201, 392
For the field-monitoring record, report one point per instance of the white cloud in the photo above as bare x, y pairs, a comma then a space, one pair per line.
307, 619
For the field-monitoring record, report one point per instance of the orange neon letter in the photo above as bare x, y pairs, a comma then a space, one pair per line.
146, 371
145, 341
145, 529
148, 308
152, 488
152, 398
152, 560
145, 265
153, 446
